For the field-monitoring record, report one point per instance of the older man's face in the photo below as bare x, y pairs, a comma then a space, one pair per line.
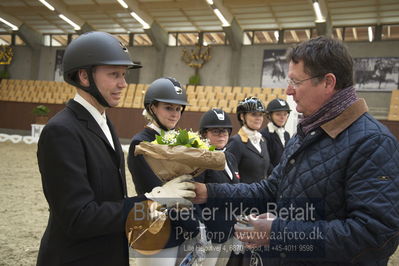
308, 92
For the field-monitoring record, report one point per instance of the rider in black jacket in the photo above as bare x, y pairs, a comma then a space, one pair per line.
216, 127
248, 146
275, 134
164, 102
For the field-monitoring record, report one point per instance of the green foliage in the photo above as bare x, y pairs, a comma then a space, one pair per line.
194, 80
182, 138
41, 110
4, 74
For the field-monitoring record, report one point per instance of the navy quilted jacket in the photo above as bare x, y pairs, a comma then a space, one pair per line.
349, 170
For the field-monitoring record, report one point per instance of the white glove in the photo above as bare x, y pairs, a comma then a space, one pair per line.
174, 192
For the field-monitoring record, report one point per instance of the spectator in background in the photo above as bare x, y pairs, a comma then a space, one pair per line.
276, 136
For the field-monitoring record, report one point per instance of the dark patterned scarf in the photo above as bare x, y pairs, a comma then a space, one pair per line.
341, 100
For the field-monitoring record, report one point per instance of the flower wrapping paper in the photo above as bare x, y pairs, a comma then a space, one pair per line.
168, 162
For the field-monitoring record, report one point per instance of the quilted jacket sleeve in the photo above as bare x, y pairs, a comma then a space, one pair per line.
370, 230
246, 195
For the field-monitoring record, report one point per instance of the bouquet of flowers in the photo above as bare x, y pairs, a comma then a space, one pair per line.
171, 154
174, 153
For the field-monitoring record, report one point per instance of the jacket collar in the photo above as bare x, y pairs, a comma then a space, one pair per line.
83, 114
245, 139
244, 136
337, 125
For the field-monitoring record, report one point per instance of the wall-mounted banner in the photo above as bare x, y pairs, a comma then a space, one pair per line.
376, 73
275, 68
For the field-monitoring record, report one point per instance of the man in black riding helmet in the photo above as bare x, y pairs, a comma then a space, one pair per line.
82, 164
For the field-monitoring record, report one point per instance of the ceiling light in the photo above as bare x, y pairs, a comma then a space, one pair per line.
12, 26
123, 4
221, 17
47, 5
70, 22
319, 16
370, 30
276, 35
210, 2
140, 20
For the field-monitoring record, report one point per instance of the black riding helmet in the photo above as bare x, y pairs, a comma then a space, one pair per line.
278, 105
94, 49
215, 118
166, 90
275, 106
249, 105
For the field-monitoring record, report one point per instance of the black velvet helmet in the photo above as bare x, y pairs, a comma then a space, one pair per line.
249, 105
166, 90
215, 118
278, 105
94, 49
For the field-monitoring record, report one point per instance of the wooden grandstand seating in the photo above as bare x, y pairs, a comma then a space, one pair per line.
140, 90
131, 89
193, 105
236, 90
220, 95
229, 96
209, 90
217, 89
201, 95
240, 96
199, 88
395, 97
279, 92
128, 101
201, 98
138, 102
248, 91
202, 102
224, 104
190, 89
257, 90
271, 97
227, 89
213, 103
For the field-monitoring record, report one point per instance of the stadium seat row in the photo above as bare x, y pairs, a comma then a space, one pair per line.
201, 98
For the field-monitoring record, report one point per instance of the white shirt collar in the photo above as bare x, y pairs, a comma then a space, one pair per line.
272, 128
154, 127
252, 134
100, 118
279, 130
